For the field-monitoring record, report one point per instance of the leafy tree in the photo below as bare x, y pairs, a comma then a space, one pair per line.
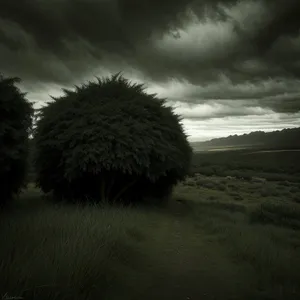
15, 124
110, 140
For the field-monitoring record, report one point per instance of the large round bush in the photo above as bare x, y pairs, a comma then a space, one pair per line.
15, 123
110, 140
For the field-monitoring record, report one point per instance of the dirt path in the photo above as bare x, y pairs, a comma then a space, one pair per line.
196, 268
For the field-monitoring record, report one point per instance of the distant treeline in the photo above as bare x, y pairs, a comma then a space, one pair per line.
280, 139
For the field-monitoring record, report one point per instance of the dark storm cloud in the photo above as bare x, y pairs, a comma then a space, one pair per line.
283, 20
53, 30
281, 96
104, 23
71, 35
249, 46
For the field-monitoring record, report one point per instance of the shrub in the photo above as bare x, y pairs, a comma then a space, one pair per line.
16, 113
190, 182
221, 187
110, 140
268, 191
206, 183
223, 181
232, 186
284, 183
296, 198
213, 198
295, 189
210, 185
236, 196
208, 171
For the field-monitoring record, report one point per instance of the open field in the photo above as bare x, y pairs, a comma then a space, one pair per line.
272, 165
217, 238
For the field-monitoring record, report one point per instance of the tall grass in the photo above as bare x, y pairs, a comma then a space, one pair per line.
193, 248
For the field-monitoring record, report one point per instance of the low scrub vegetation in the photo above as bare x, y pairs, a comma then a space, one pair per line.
282, 214
205, 242
245, 164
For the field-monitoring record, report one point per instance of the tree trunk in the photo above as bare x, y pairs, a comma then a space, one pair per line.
124, 189
110, 185
103, 198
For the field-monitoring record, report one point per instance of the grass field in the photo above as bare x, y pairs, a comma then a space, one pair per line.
217, 238
246, 163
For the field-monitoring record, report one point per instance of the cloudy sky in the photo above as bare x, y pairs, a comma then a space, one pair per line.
227, 66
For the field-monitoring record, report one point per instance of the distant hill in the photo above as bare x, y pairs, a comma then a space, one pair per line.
280, 139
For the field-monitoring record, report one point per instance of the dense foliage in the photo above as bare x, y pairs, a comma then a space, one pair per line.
110, 140
16, 116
